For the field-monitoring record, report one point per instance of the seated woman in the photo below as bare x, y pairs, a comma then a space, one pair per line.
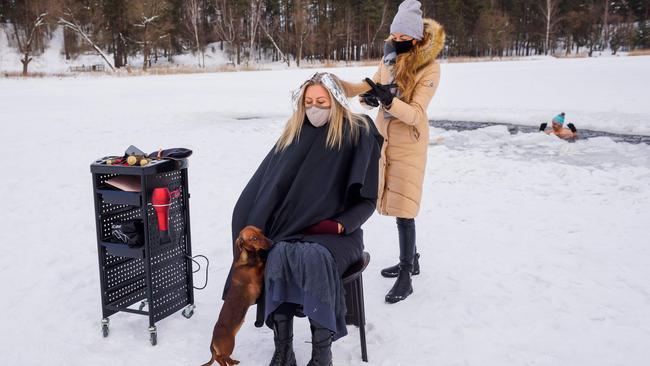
310, 195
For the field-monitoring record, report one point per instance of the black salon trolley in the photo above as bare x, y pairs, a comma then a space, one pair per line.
155, 279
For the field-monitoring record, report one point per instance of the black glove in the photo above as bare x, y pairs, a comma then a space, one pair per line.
369, 99
174, 153
128, 232
572, 127
542, 127
381, 92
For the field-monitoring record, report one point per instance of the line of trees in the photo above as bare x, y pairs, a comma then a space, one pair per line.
324, 30
528, 27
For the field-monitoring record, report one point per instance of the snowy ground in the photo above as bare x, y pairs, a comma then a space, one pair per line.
608, 94
534, 251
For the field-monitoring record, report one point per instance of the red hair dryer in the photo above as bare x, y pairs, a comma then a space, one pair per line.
160, 199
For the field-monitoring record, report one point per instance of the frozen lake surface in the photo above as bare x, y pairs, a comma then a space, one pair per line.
515, 128
534, 250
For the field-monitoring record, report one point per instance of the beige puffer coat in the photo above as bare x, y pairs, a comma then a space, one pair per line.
406, 136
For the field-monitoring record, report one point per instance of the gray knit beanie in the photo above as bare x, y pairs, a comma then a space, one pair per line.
408, 20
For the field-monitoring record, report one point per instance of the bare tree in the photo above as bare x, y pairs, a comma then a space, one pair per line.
606, 6
148, 14
384, 13
68, 20
277, 48
192, 15
144, 23
301, 27
255, 10
25, 39
623, 32
348, 36
494, 30
224, 24
549, 9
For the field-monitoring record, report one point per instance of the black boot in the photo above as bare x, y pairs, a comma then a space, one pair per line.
321, 345
393, 271
403, 287
283, 339
407, 254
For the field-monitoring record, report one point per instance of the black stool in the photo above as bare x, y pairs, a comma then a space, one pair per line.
356, 315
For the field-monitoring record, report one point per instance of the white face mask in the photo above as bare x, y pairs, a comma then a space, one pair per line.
318, 116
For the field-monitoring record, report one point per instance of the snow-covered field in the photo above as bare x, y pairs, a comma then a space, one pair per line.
534, 251
608, 94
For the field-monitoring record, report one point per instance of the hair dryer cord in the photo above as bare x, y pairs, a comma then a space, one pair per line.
207, 265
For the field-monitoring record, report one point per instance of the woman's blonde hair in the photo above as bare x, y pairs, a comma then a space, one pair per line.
339, 116
409, 64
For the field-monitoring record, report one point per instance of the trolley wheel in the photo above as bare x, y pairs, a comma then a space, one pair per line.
153, 336
189, 311
105, 327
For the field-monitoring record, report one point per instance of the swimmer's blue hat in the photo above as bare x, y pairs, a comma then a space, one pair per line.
559, 119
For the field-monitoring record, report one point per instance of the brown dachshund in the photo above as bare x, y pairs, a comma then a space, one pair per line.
245, 288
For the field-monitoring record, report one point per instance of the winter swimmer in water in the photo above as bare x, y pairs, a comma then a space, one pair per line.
557, 129
311, 195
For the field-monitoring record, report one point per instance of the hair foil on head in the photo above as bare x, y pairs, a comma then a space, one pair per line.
329, 82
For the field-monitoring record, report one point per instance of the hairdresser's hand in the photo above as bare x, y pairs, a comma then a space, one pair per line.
382, 92
369, 100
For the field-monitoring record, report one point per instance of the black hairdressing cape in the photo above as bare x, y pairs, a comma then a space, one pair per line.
309, 182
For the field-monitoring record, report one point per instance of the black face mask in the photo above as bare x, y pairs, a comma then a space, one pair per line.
402, 46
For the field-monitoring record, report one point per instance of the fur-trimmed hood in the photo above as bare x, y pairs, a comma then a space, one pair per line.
435, 36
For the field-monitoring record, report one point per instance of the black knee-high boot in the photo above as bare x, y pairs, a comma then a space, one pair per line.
283, 337
403, 286
393, 271
321, 345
